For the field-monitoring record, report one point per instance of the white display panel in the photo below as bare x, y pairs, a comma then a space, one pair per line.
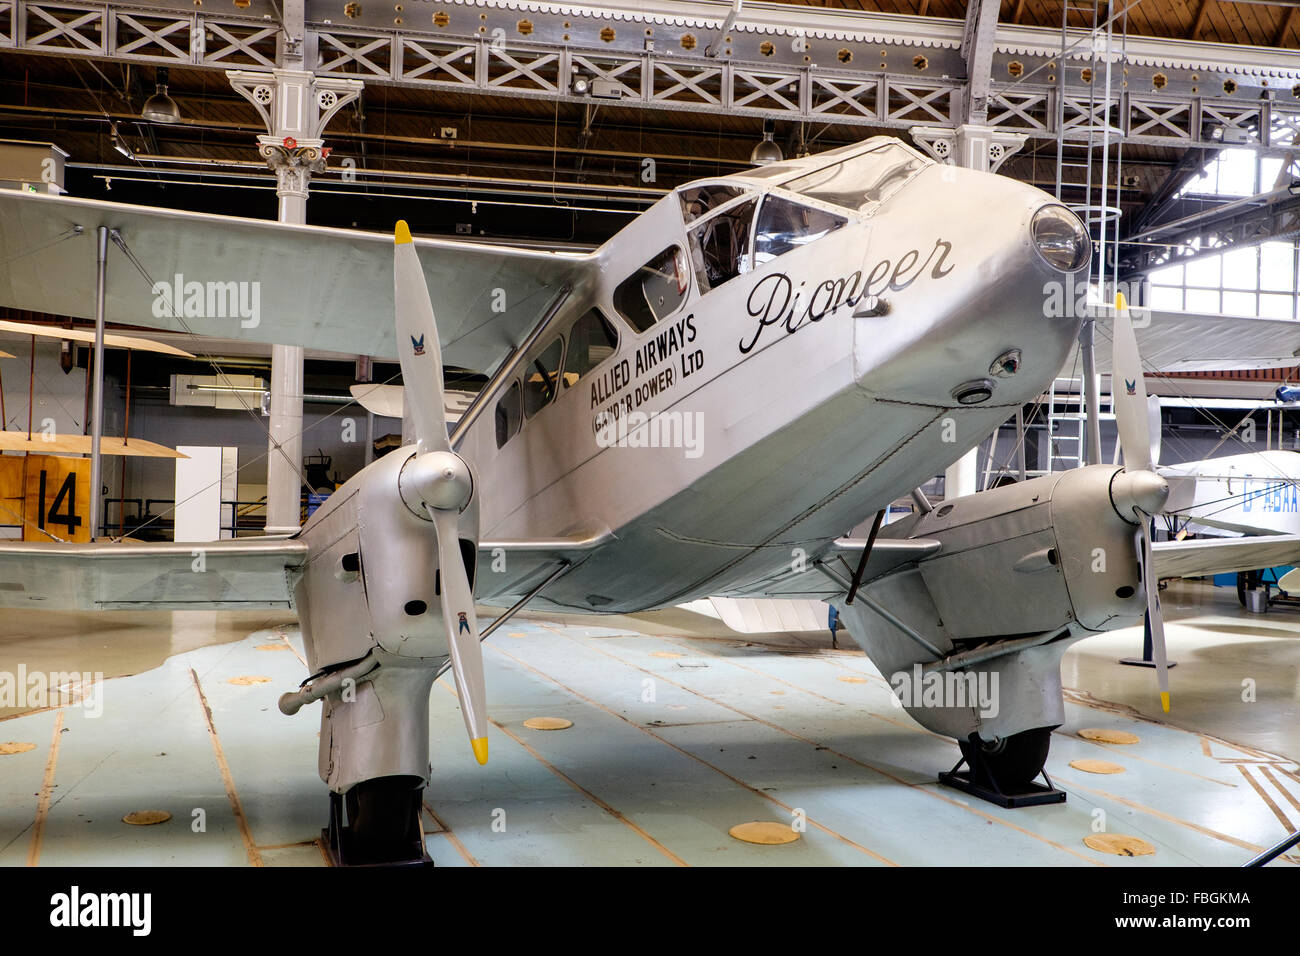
198, 493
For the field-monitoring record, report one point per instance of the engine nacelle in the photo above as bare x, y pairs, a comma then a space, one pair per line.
1033, 556
370, 589
372, 577
1024, 571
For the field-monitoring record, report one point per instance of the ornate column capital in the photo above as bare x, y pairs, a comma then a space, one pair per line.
295, 106
974, 147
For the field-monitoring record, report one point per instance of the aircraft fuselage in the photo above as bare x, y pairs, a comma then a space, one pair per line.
795, 398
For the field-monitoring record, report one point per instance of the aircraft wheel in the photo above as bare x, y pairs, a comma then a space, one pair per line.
384, 819
1011, 762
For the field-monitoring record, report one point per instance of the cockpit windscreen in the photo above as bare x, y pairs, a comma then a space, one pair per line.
858, 182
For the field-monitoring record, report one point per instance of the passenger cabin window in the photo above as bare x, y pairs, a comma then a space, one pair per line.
508, 415
654, 291
720, 246
591, 340
785, 225
699, 201
862, 180
540, 378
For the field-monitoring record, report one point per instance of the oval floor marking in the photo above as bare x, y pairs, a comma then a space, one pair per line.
14, 747
1105, 736
246, 679
272, 647
1096, 766
1119, 844
146, 818
852, 680
665, 654
548, 723
764, 833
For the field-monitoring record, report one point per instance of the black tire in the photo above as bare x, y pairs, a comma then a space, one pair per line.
1010, 763
384, 820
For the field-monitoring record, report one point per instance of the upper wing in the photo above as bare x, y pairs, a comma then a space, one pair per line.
1188, 342
329, 289
245, 573
1183, 559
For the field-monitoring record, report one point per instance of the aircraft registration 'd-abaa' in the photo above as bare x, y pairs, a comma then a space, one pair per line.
748, 370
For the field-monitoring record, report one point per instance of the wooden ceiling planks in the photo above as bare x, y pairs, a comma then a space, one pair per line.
1220, 20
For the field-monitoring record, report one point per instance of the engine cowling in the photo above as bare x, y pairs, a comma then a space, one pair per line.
1024, 571
1038, 554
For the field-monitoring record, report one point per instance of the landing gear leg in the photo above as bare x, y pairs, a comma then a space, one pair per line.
1004, 772
382, 825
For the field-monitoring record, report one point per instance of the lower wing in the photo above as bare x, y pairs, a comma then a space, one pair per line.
244, 573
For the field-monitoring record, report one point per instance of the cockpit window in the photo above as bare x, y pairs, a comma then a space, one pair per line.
699, 201
720, 246
540, 377
857, 182
654, 291
591, 340
508, 416
785, 225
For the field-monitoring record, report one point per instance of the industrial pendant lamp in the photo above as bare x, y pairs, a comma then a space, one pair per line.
767, 151
161, 108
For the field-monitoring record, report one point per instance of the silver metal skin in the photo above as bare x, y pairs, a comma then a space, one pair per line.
819, 385
349, 615
808, 417
1050, 557
1043, 555
805, 432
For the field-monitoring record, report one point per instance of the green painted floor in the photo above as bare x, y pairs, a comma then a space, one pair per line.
680, 731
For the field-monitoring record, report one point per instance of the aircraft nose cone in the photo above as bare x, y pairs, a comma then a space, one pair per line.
1134, 491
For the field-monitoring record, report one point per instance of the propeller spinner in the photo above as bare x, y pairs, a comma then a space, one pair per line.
441, 479
1138, 492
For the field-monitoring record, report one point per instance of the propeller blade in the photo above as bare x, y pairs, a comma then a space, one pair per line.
418, 348
462, 630
420, 354
1155, 613
1153, 425
1128, 392
1142, 490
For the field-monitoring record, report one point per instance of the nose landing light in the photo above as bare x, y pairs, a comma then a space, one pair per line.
1060, 238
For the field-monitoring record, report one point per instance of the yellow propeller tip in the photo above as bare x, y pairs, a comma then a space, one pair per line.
402, 233
1164, 701
480, 749
1120, 303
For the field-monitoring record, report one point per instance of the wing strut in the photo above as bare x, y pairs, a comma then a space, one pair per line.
866, 556
505, 372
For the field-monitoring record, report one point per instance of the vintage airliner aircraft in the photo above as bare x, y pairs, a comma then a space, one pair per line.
703, 406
